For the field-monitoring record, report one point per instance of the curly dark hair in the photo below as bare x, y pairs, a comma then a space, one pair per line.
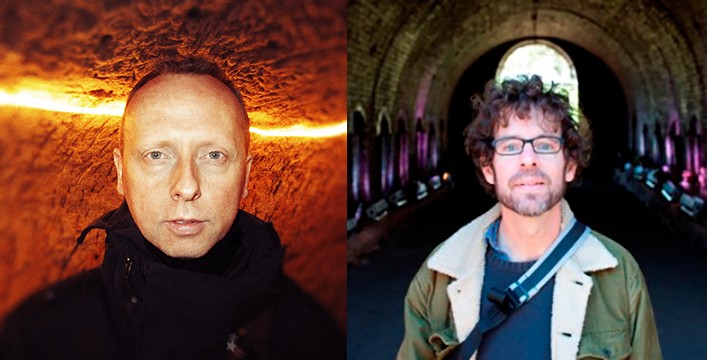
518, 97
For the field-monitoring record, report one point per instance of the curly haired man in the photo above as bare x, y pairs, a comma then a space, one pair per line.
566, 292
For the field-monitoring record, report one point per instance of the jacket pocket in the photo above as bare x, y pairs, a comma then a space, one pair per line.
606, 345
443, 342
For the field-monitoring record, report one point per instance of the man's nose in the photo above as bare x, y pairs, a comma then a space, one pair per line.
185, 181
528, 156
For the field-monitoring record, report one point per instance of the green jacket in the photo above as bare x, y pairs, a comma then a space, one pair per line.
601, 307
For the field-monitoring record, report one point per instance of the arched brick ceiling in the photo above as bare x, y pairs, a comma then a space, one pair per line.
288, 58
657, 50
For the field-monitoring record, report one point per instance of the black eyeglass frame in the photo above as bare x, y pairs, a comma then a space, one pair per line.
561, 141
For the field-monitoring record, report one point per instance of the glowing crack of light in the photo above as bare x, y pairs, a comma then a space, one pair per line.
304, 131
46, 101
43, 100
297, 130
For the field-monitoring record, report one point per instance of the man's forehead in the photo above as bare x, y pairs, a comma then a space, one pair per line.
529, 117
183, 85
179, 90
185, 101
141, 134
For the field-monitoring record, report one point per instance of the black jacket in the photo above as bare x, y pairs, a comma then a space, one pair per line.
138, 306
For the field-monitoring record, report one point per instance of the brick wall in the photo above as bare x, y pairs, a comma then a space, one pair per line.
656, 49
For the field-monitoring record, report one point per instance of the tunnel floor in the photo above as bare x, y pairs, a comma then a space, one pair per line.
674, 270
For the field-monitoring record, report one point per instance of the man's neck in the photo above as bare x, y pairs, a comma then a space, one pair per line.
525, 238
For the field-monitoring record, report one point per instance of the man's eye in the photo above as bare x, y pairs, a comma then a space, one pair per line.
215, 155
545, 146
510, 147
155, 155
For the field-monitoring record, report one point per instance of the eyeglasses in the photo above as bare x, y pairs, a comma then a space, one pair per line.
544, 144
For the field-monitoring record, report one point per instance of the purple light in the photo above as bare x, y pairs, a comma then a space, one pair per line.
696, 154
356, 173
366, 183
389, 175
361, 187
387, 159
685, 175
669, 146
421, 149
423, 89
433, 143
403, 158
360, 160
434, 156
643, 140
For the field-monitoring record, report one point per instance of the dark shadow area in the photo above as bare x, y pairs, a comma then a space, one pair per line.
603, 103
460, 115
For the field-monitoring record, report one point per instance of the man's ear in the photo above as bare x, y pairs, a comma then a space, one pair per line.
488, 173
118, 161
249, 160
570, 168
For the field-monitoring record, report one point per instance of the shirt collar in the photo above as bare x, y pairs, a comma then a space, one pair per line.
492, 237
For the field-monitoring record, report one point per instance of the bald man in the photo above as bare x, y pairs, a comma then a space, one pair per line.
186, 274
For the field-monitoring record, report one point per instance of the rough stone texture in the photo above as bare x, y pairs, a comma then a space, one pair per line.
282, 55
655, 48
56, 175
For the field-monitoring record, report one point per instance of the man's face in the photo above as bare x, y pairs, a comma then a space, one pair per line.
184, 164
528, 183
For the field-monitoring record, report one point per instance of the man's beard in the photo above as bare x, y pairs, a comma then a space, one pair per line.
530, 204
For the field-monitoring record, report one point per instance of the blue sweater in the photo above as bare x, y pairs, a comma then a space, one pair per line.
526, 333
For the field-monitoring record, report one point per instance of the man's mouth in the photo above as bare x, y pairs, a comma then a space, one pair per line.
530, 179
530, 183
185, 227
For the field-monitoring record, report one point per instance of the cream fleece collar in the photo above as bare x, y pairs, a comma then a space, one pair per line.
463, 253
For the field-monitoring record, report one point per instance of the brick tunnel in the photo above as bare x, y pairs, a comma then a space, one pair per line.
412, 68
640, 68
57, 174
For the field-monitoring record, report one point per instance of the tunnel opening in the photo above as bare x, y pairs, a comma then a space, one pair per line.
545, 59
601, 99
